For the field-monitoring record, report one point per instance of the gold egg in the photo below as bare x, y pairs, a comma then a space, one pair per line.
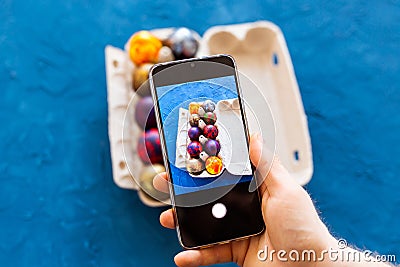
194, 107
140, 79
146, 181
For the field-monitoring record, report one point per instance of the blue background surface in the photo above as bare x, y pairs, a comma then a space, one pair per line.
58, 203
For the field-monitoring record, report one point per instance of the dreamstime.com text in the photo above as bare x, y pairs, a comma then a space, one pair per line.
341, 253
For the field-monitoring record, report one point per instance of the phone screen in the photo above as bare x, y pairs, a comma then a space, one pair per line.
205, 140
204, 134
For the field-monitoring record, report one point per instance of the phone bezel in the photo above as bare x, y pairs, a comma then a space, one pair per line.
222, 59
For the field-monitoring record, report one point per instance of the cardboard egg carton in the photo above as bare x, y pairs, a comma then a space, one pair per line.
270, 91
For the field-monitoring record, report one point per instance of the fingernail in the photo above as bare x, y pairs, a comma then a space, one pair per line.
257, 137
188, 258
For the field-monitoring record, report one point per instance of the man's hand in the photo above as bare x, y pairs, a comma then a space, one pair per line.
291, 221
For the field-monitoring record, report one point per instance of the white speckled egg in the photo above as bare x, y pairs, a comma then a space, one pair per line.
165, 54
195, 166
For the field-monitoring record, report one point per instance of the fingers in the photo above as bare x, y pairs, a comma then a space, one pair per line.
167, 219
202, 257
269, 168
160, 182
208, 256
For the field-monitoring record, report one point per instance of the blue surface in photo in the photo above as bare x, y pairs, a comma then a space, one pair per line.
171, 99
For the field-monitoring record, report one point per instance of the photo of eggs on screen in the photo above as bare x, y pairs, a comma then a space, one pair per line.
203, 146
204, 134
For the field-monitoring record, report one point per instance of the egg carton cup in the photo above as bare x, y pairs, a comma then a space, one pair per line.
261, 54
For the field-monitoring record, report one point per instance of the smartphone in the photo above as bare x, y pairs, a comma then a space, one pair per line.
205, 143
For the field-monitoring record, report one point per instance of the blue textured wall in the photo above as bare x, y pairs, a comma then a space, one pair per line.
58, 204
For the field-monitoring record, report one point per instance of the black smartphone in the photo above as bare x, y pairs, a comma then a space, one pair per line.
205, 143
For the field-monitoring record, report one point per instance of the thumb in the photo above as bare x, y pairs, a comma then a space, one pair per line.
271, 174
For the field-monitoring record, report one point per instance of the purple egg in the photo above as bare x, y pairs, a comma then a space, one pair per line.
194, 148
144, 113
212, 147
194, 133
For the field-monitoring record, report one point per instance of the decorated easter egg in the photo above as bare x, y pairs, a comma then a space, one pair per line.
146, 181
210, 117
210, 131
208, 106
214, 165
194, 120
212, 147
149, 147
140, 79
194, 148
194, 166
184, 43
194, 133
144, 47
165, 54
201, 111
194, 108
144, 113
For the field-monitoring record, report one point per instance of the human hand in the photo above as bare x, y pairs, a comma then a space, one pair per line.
291, 221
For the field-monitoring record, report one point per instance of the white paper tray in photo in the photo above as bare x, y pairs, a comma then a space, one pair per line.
233, 156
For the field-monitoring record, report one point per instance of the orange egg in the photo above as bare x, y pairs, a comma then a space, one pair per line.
214, 165
194, 108
144, 47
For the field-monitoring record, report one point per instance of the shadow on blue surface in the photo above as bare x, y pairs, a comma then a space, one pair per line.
58, 204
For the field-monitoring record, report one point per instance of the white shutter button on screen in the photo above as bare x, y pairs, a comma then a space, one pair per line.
218, 210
